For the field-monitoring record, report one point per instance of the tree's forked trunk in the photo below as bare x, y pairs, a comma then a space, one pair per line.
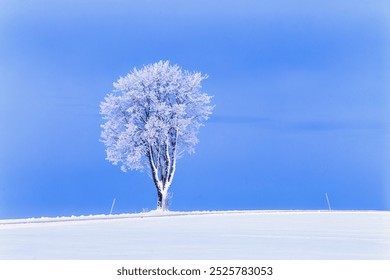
163, 166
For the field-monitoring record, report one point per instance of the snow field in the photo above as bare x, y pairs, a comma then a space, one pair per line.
201, 235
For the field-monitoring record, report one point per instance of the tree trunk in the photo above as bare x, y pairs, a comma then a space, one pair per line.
162, 200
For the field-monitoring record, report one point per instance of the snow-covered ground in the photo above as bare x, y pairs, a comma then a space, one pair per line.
201, 235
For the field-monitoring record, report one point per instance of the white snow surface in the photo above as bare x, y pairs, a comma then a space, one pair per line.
220, 235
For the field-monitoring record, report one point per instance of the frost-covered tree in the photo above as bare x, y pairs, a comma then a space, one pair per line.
152, 118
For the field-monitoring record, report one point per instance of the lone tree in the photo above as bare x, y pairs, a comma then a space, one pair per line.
152, 119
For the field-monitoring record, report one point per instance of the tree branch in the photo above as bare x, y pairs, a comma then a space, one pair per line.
174, 157
154, 169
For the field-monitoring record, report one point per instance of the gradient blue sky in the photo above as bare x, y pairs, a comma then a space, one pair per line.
300, 90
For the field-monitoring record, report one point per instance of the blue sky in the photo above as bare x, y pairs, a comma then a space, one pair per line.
300, 93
